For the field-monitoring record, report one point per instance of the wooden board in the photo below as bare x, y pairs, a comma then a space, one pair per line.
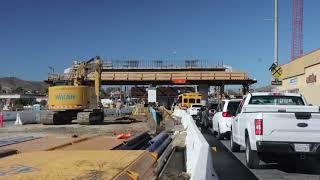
97, 143
67, 164
43, 144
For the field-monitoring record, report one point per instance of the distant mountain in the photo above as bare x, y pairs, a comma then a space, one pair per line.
264, 89
13, 84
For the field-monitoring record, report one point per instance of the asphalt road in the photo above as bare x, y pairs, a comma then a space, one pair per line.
232, 165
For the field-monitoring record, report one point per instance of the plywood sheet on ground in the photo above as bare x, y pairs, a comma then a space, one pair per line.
67, 164
43, 144
97, 143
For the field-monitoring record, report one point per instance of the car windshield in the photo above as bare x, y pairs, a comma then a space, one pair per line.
232, 107
276, 100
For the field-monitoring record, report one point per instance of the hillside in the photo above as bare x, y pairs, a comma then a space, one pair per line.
264, 89
9, 84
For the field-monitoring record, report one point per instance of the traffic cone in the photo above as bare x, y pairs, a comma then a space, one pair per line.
18, 120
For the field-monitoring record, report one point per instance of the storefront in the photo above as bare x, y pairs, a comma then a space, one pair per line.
302, 76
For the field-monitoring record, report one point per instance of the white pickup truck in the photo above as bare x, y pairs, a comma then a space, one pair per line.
275, 125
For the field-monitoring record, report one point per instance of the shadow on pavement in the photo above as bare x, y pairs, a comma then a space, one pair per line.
226, 165
308, 166
223, 157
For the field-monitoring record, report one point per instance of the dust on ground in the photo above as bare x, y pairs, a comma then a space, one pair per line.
109, 129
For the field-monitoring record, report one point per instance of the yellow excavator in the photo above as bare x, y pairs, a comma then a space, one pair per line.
75, 97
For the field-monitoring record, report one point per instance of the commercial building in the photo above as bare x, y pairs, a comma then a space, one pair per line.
302, 76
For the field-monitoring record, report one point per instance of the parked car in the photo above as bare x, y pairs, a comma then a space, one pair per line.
275, 125
193, 110
221, 121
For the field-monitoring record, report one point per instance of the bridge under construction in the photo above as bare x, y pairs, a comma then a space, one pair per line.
192, 72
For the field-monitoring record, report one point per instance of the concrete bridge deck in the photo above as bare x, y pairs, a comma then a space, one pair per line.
174, 77
184, 75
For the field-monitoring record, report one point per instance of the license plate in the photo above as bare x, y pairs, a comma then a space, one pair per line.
302, 147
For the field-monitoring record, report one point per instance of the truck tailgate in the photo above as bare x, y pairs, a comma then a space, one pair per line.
289, 123
289, 127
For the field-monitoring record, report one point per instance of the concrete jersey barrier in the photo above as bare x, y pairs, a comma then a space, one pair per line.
199, 157
27, 117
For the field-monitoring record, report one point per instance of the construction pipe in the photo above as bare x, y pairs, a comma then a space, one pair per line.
136, 138
142, 142
157, 141
136, 145
145, 146
162, 147
163, 159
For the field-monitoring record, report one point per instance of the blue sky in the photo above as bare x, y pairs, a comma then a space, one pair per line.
35, 34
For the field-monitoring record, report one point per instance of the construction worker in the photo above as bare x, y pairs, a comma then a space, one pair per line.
118, 107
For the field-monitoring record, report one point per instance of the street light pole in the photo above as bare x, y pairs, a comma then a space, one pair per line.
276, 32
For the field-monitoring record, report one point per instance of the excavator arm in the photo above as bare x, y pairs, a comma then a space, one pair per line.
82, 71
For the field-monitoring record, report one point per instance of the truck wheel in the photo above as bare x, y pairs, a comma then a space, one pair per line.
234, 146
252, 158
219, 135
213, 131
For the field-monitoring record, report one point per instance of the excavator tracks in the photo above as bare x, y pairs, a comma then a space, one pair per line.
55, 118
89, 118
65, 117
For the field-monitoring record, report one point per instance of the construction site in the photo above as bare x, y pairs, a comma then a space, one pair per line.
163, 118
81, 138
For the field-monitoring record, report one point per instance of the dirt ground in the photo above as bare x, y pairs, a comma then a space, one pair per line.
111, 127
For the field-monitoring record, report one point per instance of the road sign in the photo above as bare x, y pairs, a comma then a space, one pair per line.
276, 83
276, 71
152, 94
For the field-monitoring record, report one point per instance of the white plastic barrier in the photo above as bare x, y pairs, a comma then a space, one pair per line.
199, 157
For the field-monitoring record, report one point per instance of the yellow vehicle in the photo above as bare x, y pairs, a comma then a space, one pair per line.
185, 100
75, 97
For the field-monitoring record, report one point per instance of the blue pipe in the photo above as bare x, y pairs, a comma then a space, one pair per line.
157, 141
163, 146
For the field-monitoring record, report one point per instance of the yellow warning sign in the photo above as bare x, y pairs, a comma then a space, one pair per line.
276, 71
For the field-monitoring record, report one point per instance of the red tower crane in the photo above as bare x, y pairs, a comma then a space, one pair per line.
297, 27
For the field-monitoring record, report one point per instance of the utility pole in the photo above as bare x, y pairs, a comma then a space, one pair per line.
276, 32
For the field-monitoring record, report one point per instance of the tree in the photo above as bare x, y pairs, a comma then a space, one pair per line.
103, 94
19, 90
19, 103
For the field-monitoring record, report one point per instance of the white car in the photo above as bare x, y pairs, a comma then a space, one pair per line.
193, 109
221, 121
276, 125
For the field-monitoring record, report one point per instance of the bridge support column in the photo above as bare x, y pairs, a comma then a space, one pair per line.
203, 89
221, 88
245, 89
220, 93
